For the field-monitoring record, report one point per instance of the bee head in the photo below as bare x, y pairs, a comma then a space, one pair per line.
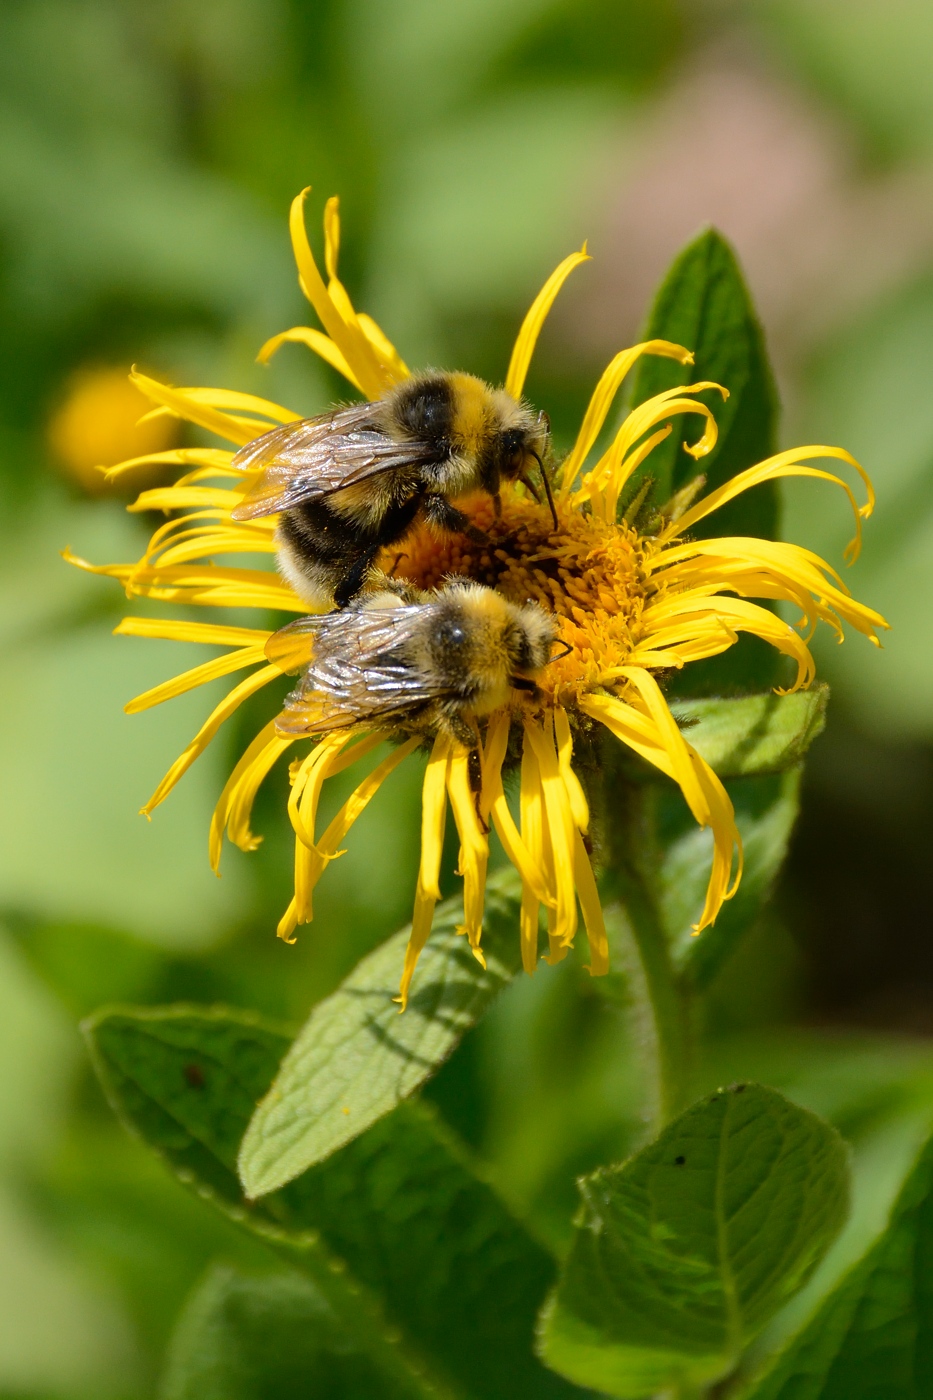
522, 437
530, 636
486, 645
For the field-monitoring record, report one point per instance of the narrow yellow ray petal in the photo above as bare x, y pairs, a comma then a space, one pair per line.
474, 847
787, 464
672, 739
247, 403
602, 399
427, 893
592, 909
494, 804
308, 782
178, 630
216, 457
183, 498
348, 338
183, 406
332, 234
205, 734
383, 346
317, 341
560, 829
576, 796
527, 337
531, 804
198, 675
246, 777
433, 808
327, 848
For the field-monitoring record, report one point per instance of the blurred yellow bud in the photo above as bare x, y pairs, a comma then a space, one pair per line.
97, 425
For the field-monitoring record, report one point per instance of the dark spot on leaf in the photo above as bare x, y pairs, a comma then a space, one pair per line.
680, 1161
194, 1076
739, 1088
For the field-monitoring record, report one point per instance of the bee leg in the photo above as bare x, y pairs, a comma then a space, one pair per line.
475, 774
439, 512
353, 580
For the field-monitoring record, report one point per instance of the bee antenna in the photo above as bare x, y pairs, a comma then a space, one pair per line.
547, 486
561, 654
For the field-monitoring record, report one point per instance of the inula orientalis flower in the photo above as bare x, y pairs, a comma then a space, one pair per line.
627, 604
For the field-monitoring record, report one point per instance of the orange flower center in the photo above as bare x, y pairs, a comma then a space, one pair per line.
588, 573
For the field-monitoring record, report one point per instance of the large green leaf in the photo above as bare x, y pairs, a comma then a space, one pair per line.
356, 1057
703, 303
872, 1339
272, 1337
685, 1251
398, 1210
754, 734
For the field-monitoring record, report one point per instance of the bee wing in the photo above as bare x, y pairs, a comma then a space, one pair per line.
359, 672
309, 460
291, 648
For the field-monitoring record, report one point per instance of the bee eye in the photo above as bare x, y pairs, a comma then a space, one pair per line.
511, 441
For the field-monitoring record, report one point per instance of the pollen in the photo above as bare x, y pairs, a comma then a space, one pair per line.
590, 574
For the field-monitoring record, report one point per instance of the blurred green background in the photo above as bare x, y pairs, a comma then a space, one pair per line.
148, 153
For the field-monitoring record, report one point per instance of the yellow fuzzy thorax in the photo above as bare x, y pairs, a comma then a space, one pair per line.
470, 412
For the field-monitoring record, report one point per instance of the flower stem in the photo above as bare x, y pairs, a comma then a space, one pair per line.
659, 998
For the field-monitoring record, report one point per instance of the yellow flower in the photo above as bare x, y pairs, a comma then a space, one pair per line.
97, 424
628, 605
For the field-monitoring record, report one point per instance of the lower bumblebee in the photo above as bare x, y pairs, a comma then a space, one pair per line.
353, 481
412, 662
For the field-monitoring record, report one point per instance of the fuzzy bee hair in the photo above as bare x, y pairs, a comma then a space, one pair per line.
412, 662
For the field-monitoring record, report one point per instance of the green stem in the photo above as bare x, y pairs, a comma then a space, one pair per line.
668, 1011
653, 985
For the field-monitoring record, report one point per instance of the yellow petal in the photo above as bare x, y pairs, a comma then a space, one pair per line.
184, 406
474, 846
603, 395
576, 796
198, 675
493, 803
348, 337
592, 909
560, 828
433, 812
317, 341
787, 464
205, 734
527, 337
236, 800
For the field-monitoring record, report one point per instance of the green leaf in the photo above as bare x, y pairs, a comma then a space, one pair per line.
754, 734
765, 812
703, 303
356, 1057
685, 1251
273, 1337
872, 1339
398, 1210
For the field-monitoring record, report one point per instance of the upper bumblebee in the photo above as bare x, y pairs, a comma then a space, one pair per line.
623, 604
350, 483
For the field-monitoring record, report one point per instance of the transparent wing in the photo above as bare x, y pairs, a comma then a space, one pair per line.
360, 669
309, 460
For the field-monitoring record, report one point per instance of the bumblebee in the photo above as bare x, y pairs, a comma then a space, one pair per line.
412, 662
354, 480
